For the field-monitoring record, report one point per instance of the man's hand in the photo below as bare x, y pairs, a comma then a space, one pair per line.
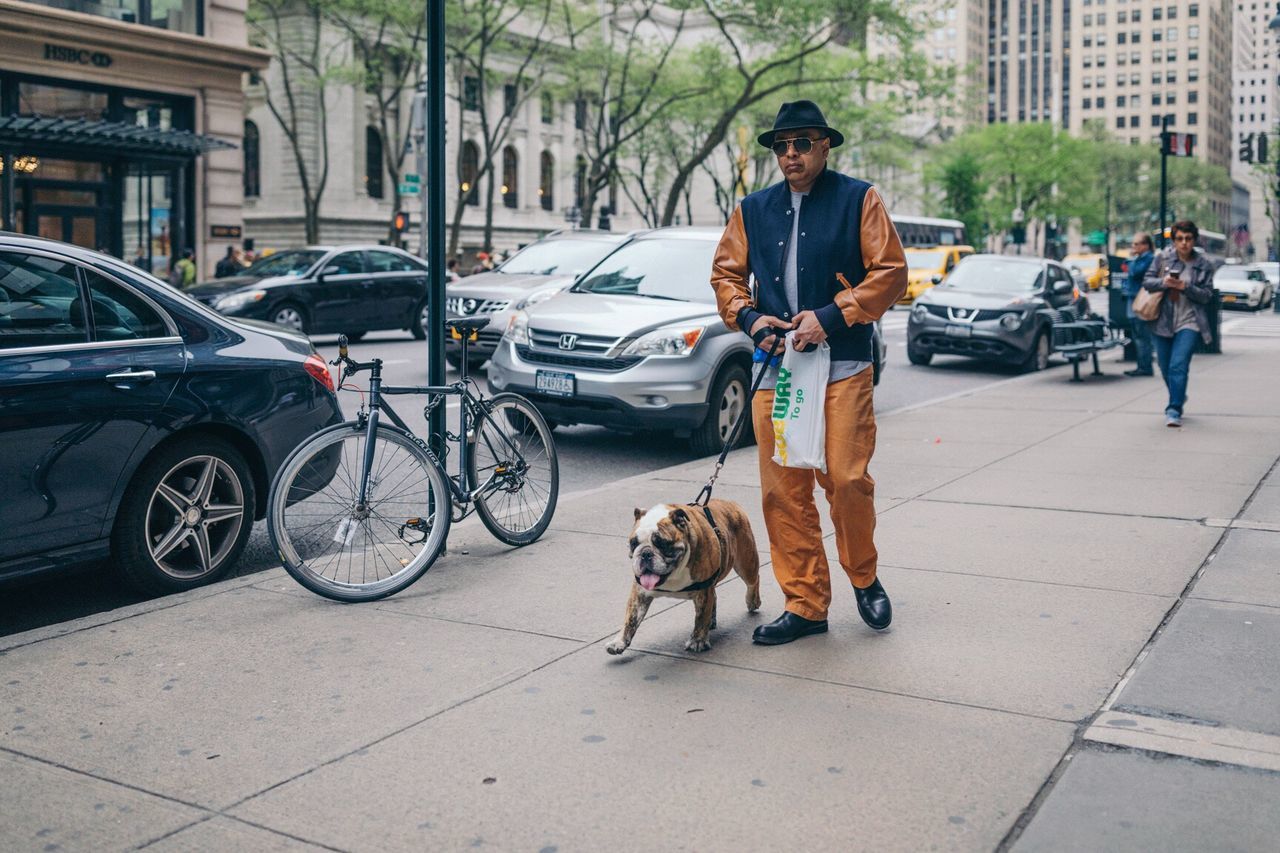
808, 331
766, 321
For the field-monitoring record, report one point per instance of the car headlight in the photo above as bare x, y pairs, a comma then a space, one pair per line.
538, 296
670, 341
919, 312
236, 301
1012, 320
518, 329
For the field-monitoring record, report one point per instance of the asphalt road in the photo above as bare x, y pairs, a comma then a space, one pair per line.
589, 457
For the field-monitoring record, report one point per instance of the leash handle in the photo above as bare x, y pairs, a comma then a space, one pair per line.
705, 495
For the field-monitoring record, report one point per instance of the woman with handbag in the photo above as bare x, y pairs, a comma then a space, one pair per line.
1177, 290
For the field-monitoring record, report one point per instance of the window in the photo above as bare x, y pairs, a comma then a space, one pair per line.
1155, 78
1157, 14
1171, 34
1155, 120
373, 162
1157, 35
1088, 41
1134, 122
1171, 98
252, 161
1171, 55
1157, 56
1101, 60
1171, 12
1119, 121
509, 96
1120, 100
1088, 62
580, 113
1087, 20
1120, 38
1102, 18
347, 263
1193, 53
1193, 31
1086, 83
1121, 59
381, 260
1100, 103
1122, 17
1193, 11
1135, 37
1193, 118
1171, 76
470, 169
35, 291
1088, 102
547, 181
580, 182
1135, 57
548, 108
1102, 40
120, 314
1155, 99
471, 93
1136, 17
510, 177
1135, 78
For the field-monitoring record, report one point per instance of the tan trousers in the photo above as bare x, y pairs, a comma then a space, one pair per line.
790, 514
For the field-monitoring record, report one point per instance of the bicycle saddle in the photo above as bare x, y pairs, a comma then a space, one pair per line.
466, 325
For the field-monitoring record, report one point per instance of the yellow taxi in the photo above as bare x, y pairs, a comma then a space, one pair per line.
927, 266
1092, 266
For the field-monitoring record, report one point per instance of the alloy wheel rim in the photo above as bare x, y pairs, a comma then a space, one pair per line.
730, 408
289, 318
194, 517
424, 319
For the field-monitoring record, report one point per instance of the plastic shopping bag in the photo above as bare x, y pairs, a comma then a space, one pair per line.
799, 408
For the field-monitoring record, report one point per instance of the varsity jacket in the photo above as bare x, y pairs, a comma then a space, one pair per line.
849, 263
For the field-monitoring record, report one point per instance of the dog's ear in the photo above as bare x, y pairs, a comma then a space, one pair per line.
681, 519
639, 513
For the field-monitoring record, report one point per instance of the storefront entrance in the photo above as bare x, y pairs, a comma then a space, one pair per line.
66, 200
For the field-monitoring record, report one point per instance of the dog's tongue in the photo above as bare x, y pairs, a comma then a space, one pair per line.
648, 580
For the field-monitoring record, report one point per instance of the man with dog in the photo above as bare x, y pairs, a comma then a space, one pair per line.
827, 263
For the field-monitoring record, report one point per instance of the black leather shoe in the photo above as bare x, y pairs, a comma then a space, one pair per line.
873, 605
786, 628
1136, 372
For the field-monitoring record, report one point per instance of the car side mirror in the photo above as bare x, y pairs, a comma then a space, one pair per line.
1063, 287
332, 269
935, 278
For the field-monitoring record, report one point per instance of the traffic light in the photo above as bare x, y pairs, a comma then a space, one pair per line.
1262, 148
399, 225
1246, 148
1018, 234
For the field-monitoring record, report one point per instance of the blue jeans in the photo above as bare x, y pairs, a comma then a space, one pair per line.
1140, 331
1174, 355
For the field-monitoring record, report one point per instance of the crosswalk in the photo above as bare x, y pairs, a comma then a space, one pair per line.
1264, 324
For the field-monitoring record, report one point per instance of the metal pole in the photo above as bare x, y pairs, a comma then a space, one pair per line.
433, 209
9, 185
1164, 172
1106, 225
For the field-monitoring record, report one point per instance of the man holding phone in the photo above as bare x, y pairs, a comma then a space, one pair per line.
1185, 277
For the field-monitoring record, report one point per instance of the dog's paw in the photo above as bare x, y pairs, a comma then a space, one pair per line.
753, 600
693, 644
617, 647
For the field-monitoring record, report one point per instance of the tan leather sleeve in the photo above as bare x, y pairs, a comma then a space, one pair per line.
886, 265
730, 271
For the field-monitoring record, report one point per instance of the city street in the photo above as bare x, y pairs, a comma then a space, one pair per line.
589, 457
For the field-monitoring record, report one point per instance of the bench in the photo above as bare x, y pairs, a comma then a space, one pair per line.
1078, 339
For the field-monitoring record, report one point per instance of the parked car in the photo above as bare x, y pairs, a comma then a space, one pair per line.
1245, 287
137, 423
928, 266
993, 307
636, 343
536, 272
327, 290
1092, 266
1272, 271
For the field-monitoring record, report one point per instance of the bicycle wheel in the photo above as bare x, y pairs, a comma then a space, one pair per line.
338, 548
513, 452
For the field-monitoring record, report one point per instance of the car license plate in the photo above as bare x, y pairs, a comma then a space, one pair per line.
960, 331
1229, 297
555, 383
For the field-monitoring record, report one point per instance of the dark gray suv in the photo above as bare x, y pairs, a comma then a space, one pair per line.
996, 308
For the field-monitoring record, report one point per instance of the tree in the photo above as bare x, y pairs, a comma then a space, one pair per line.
298, 97
964, 190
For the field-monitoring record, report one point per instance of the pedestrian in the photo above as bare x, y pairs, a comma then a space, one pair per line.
811, 277
140, 259
229, 265
1185, 277
185, 269
483, 263
451, 270
1140, 257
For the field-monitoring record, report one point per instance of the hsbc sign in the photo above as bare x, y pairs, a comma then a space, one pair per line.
76, 56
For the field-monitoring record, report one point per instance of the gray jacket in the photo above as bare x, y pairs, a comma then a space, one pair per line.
1198, 275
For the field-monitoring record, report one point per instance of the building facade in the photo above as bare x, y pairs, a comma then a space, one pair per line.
120, 124
1255, 85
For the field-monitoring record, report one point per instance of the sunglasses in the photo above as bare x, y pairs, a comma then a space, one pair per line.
802, 144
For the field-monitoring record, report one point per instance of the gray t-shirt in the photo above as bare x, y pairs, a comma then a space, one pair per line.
791, 288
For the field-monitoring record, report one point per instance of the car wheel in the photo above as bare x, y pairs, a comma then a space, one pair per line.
291, 316
185, 517
1038, 358
421, 321
918, 356
727, 402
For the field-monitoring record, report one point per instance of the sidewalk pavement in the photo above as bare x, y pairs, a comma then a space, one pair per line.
1087, 607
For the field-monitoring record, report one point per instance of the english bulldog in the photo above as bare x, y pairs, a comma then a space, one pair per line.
675, 552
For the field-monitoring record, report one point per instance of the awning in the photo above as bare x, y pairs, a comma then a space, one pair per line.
19, 133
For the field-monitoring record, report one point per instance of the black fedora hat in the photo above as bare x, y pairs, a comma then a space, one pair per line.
797, 115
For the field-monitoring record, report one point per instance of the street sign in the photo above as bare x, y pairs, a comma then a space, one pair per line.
410, 185
1096, 238
1179, 144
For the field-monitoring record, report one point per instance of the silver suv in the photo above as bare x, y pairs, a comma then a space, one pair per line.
533, 273
636, 343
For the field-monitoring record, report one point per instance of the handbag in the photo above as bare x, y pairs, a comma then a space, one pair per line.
799, 408
1146, 305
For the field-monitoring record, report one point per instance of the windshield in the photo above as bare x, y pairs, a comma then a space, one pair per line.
660, 269
293, 263
995, 275
1238, 273
924, 260
557, 257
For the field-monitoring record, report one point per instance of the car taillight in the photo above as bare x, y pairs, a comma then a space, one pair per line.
319, 370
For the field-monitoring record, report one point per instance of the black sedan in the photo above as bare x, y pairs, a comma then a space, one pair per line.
136, 423
327, 289
996, 308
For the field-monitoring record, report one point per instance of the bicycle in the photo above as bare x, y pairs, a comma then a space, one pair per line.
362, 509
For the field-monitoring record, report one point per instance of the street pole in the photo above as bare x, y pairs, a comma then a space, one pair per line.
1164, 172
433, 210
1106, 224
